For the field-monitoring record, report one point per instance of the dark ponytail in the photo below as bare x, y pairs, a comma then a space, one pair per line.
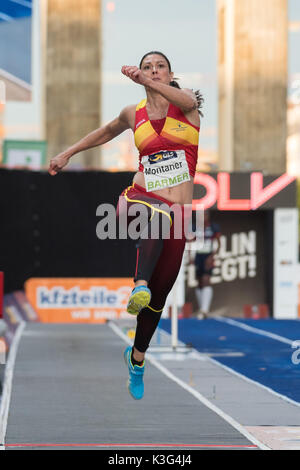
199, 97
173, 83
200, 101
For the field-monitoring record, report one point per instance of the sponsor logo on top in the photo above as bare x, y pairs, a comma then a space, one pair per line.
161, 156
140, 123
180, 127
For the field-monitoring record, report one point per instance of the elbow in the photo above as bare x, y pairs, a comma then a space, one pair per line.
190, 105
193, 105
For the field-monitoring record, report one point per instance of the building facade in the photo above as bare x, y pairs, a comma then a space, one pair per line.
293, 140
253, 71
72, 75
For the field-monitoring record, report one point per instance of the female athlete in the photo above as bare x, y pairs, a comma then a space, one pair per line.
166, 131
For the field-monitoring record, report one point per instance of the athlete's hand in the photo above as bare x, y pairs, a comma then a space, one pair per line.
58, 163
135, 74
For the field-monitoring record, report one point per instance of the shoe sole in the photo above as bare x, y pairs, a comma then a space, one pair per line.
137, 302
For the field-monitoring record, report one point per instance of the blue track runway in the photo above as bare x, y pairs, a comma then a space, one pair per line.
266, 347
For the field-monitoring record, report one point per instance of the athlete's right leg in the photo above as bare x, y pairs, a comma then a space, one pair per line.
155, 226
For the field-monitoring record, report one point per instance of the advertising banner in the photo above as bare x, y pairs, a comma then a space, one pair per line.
88, 300
243, 268
244, 191
17, 153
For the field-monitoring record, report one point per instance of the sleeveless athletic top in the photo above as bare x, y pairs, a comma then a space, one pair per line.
158, 124
176, 142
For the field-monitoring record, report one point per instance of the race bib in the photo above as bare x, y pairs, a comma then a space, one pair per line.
165, 169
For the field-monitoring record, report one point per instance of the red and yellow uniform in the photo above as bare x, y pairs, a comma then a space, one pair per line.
176, 141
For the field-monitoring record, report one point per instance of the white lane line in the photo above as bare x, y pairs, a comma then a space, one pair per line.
193, 392
7, 387
252, 329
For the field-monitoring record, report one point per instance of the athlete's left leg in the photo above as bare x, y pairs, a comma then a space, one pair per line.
160, 284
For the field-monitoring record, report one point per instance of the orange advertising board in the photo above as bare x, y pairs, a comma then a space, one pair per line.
75, 300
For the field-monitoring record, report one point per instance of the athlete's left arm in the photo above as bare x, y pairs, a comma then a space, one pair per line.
183, 98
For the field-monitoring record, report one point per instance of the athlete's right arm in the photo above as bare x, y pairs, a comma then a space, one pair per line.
94, 139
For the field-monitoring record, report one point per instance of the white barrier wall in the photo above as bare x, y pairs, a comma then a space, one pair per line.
286, 267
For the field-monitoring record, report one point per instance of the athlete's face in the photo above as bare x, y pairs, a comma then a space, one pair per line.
156, 67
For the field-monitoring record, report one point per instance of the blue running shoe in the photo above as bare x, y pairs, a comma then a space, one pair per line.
135, 382
140, 298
